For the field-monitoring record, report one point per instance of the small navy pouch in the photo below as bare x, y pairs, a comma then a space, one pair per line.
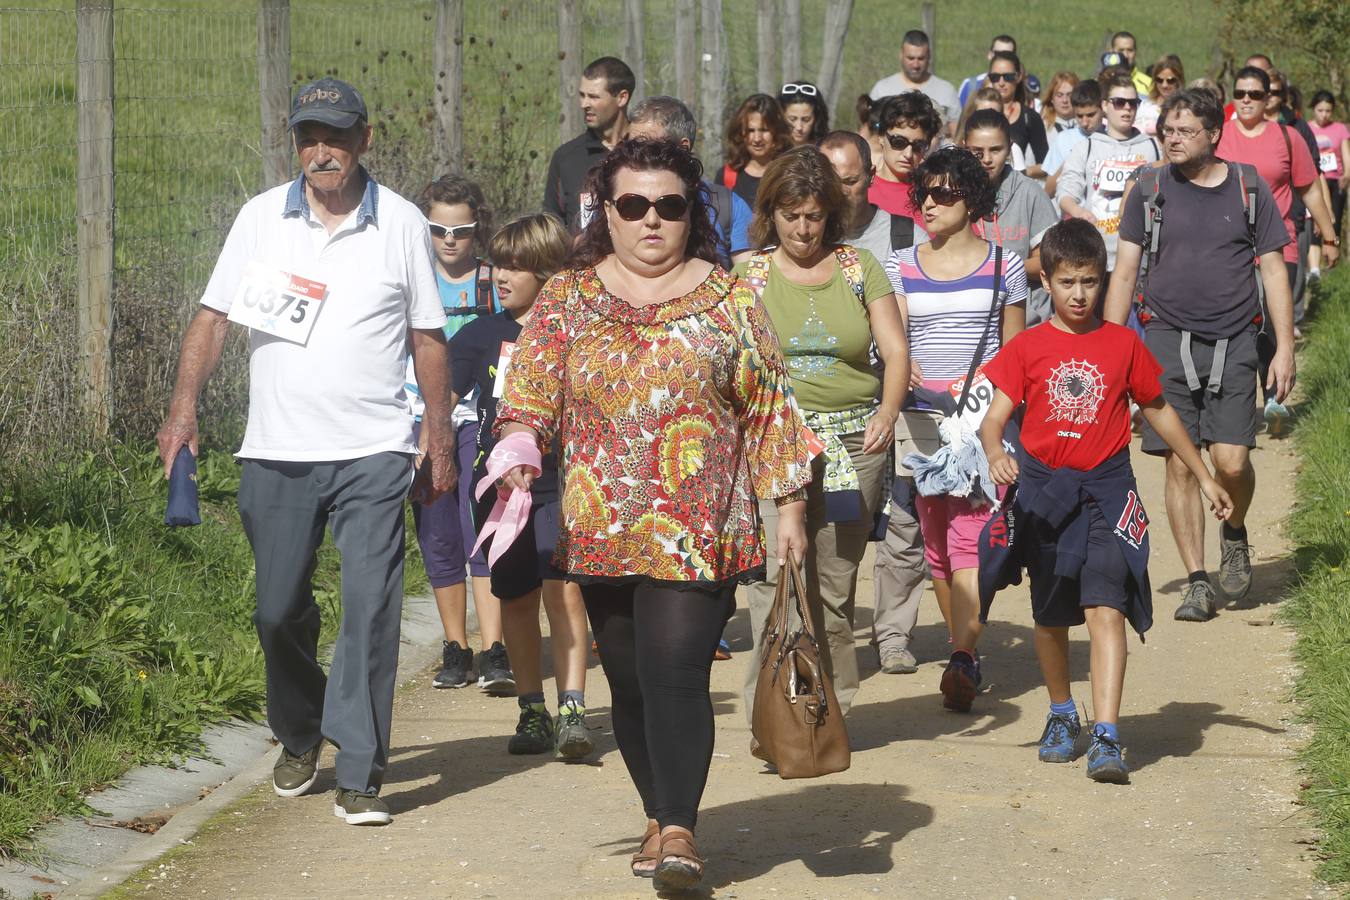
182, 508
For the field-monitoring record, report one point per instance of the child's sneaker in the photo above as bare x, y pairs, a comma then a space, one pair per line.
456, 666
494, 671
959, 682
1058, 738
1105, 760
573, 740
534, 732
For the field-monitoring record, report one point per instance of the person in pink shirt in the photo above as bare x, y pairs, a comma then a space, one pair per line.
1333, 146
907, 125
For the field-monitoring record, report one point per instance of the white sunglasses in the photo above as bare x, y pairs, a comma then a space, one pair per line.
806, 90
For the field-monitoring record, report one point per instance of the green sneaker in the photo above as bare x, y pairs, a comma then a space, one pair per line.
534, 732
294, 775
361, 808
573, 737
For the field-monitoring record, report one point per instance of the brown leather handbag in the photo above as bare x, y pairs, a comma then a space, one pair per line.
796, 722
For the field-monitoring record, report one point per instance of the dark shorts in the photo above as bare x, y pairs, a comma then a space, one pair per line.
528, 562
1228, 417
1105, 579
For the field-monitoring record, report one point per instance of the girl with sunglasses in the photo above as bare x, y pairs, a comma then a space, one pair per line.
757, 133
807, 115
1168, 77
961, 298
906, 124
458, 219
656, 376
829, 303
1007, 77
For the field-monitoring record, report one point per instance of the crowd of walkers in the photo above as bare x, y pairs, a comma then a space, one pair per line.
933, 331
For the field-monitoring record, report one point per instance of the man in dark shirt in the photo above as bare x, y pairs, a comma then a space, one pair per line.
606, 87
1200, 301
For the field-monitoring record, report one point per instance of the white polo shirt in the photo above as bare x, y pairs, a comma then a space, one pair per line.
341, 394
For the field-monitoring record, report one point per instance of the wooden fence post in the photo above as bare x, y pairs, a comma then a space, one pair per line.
569, 66
767, 45
792, 40
634, 48
713, 79
837, 16
274, 89
686, 52
448, 59
94, 207
930, 29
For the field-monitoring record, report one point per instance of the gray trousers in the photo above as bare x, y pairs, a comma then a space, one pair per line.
832, 558
285, 507
899, 574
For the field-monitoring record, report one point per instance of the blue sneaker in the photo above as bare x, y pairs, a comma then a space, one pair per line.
1277, 417
1058, 738
1105, 761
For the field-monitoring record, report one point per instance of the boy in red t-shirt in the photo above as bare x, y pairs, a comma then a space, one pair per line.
1076, 522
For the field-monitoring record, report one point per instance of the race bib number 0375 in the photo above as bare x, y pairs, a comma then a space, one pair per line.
277, 303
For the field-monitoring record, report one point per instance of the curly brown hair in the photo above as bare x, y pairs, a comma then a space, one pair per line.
772, 116
802, 173
638, 155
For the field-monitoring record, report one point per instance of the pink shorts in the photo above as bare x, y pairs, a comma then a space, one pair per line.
951, 533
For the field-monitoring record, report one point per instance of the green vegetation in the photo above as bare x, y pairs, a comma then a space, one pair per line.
1320, 606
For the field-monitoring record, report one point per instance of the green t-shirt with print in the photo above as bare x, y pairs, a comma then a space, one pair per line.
825, 335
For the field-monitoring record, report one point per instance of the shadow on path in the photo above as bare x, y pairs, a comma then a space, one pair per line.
1178, 729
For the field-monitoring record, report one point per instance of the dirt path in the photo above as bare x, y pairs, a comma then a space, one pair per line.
935, 804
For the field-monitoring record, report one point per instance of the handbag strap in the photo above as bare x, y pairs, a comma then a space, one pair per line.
984, 336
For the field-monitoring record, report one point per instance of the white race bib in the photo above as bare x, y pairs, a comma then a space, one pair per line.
277, 303
977, 401
1328, 161
503, 363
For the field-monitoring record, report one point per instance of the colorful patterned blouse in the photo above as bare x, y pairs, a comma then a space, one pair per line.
671, 419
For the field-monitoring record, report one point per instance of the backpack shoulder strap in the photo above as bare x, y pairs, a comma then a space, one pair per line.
851, 266
1148, 179
721, 200
729, 176
483, 291
902, 231
1247, 180
757, 272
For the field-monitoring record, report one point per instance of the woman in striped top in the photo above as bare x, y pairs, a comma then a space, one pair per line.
949, 298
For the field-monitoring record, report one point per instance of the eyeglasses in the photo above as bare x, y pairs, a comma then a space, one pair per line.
633, 207
454, 232
1009, 77
1123, 102
1239, 94
806, 90
1165, 80
900, 144
1186, 134
945, 194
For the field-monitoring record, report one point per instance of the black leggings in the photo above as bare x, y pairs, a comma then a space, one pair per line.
656, 647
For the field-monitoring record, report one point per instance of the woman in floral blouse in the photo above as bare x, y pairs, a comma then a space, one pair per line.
658, 375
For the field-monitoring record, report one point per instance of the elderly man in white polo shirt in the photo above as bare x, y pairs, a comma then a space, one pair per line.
333, 276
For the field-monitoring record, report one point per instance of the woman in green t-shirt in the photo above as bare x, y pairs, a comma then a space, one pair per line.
831, 306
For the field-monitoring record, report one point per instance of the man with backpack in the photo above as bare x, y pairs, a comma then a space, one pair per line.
1191, 230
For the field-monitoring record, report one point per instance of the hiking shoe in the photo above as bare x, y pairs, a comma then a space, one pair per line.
1058, 738
573, 738
1197, 603
897, 661
1235, 567
534, 732
958, 683
1277, 417
494, 671
294, 775
456, 666
1106, 762
361, 808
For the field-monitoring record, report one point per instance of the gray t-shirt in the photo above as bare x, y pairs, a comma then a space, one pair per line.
1203, 279
1023, 215
876, 237
939, 91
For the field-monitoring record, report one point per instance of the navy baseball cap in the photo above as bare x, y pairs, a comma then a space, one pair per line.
330, 101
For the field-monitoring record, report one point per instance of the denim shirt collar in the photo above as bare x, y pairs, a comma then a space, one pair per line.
297, 203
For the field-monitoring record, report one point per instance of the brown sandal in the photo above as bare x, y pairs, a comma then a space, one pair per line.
648, 851
685, 870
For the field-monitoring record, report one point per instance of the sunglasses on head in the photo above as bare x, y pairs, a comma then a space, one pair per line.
1239, 94
806, 90
455, 232
945, 194
633, 207
900, 143
996, 77
1123, 102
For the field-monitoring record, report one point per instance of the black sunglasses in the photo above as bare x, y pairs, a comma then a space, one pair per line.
1163, 79
633, 207
945, 194
900, 143
455, 231
1010, 77
1124, 102
1239, 94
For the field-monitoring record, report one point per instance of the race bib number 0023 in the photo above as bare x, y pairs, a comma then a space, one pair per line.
277, 303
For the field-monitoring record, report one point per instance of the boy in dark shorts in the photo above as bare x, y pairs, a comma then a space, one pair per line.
526, 253
1076, 522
